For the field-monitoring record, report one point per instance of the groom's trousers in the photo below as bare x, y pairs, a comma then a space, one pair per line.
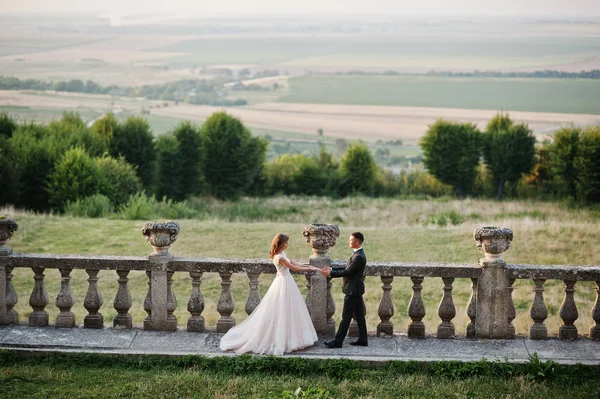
354, 305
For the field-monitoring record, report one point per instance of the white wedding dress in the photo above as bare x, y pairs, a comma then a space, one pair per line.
279, 324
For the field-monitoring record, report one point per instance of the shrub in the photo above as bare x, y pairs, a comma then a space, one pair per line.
358, 170
142, 207
75, 176
94, 206
118, 179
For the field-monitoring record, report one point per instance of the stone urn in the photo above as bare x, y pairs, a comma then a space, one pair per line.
160, 235
7, 228
321, 237
493, 241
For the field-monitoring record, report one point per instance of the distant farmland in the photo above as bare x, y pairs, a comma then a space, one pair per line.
576, 96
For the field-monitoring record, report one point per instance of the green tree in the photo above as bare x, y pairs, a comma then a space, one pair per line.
8, 175
451, 153
508, 150
7, 125
231, 158
71, 131
358, 170
107, 125
295, 174
564, 152
35, 153
118, 180
168, 167
134, 141
189, 156
331, 169
588, 165
75, 176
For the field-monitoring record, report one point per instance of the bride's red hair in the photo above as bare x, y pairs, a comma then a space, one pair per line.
277, 243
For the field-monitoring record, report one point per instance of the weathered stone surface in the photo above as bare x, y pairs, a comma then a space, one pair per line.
180, 341
464, 349
160, 235
380, 350
492, 301
7, 228
83, 338
570, 352
553, 272
320, 237
493, 241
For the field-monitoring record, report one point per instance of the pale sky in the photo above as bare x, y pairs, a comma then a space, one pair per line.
204, 8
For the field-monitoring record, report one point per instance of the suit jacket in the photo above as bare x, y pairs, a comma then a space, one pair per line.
353, 274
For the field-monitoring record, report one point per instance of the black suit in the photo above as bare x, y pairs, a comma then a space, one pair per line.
354, 288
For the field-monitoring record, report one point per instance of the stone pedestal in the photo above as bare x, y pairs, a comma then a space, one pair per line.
160, 235
492, 303
321, 237
493, 297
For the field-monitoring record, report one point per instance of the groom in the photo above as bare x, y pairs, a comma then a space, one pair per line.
354, 288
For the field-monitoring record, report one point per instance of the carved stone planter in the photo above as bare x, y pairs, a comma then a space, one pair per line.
7, 228
160, 235
493, 241
321, 237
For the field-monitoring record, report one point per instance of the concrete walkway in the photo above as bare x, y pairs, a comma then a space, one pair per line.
117, 341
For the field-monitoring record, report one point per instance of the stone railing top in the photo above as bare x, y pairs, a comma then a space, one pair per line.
554, 272
92, 262
215, 265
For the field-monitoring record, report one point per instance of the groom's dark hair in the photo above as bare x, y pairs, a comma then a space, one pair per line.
358, 236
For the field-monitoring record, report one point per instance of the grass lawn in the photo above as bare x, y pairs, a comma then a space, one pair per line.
104, 376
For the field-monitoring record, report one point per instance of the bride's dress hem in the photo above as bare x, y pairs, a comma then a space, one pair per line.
279, 324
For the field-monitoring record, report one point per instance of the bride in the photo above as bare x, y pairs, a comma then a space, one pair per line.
281, 322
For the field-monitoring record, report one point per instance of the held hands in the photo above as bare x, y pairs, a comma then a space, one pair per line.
326, 271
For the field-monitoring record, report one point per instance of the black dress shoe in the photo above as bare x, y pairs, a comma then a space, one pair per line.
359, 343
333, 344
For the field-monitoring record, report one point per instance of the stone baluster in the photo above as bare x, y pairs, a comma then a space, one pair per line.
595, 330
226, 305
122, 302
171, 304
446, 310
568, 313
12, 317
92, 302
196, 305
321, 237
307, 301
38, 300
7, 300
416, 310
492, 296
386, 308
330, 311
511, 312
472, 310
65, 301
160, 235
538, 312
148, 303
253, 295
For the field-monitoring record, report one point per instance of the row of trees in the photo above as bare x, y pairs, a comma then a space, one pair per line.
458, 154
195, 91
48, 166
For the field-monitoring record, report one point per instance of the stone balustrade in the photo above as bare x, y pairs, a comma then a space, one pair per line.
490, 308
